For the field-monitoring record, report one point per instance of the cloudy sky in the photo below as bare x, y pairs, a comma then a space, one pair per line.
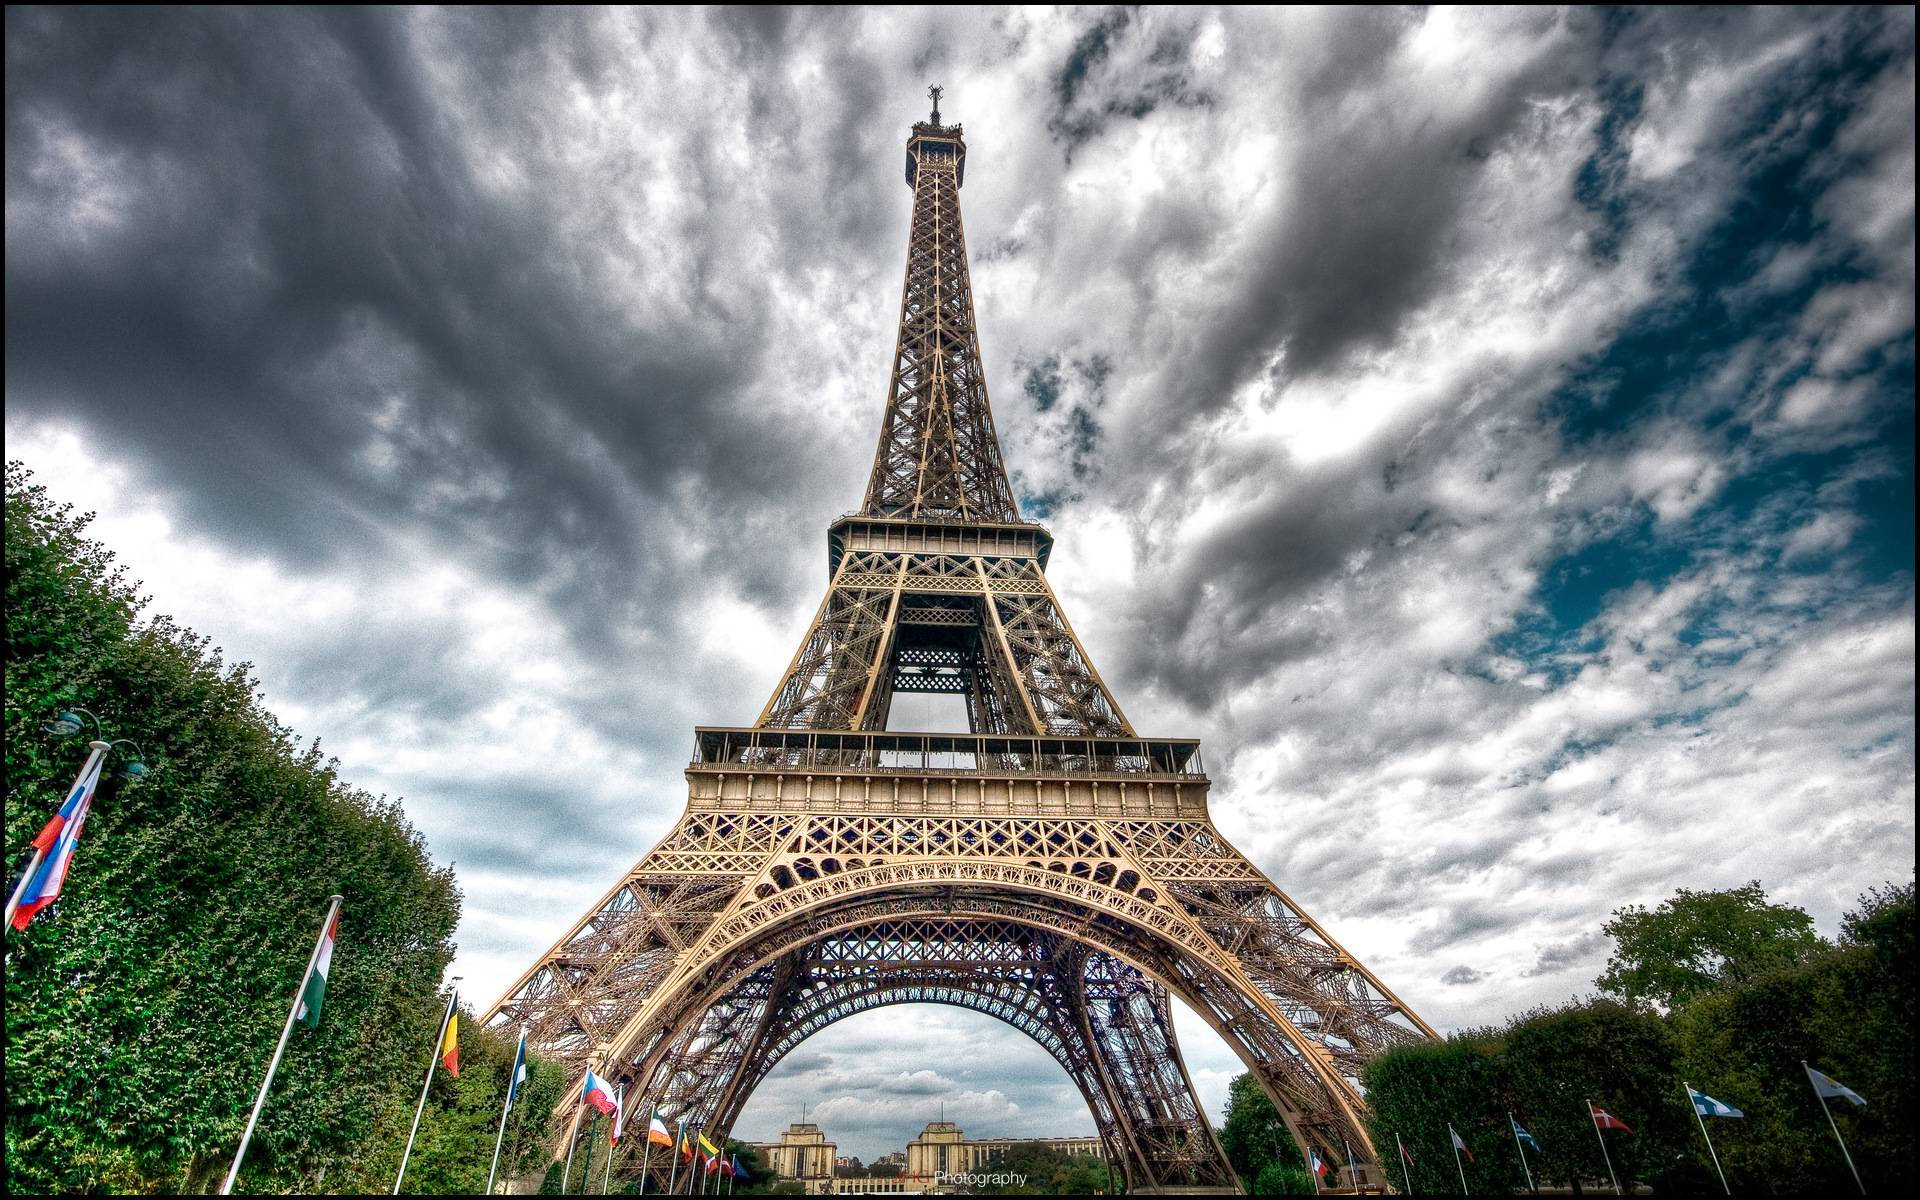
1491, 432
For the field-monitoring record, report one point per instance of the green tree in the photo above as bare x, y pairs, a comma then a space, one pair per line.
1251, 1131
1043, 1171
1699, 941
1848, 1012
1283, 1179
141, 1009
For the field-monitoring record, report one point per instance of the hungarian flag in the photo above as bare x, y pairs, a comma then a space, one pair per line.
1828, 1087
450, 1044
596, 1092
315, 989
56, 843
1602, 1119
1462, 1146
657, 1134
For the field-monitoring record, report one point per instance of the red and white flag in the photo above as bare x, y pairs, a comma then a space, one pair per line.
1602, 1119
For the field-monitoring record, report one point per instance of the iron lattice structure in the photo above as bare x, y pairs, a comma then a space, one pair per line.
1051, 868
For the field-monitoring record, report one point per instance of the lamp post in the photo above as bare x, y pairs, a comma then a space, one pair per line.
68, 723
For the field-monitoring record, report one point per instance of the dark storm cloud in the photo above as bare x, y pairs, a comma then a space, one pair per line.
306, 243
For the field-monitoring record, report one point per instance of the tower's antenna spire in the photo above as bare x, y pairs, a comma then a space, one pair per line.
935, 91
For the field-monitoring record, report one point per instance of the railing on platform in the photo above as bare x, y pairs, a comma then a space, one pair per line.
943, 753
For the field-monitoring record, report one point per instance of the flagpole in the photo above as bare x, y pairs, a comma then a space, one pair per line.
673, 1156
1455, 1139
1353, 1176
1702, 1122
92, 767
613, 1140
646, 1148
1828, 1109
505, 1107
1607, 1158
586, 1168
300, 989
453, 997
1521, 1150
573, 1140
1406, 1164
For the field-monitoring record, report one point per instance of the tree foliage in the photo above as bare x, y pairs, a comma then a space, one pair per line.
143, 1007
1046, 1172
1698, 941
1848, 1009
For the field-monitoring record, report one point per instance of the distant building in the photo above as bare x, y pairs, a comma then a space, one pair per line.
942, 1149
803, 1153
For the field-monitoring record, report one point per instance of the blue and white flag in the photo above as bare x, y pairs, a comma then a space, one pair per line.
1520, 1132
519, 1070
1707, 1106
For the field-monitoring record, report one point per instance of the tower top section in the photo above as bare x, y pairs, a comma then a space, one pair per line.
938, 458
932, 141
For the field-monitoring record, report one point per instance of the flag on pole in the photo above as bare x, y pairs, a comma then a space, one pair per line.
596, 1092
1707, 1106
60, 836
1602, 1119
1520, 1132
1458, 1144
519, 1075
657, 1134
315, 989
1826, 1085
1313, 1160
1403, 1151
708, 1146
78, 801
619, 1114
739, 1172
450, 1046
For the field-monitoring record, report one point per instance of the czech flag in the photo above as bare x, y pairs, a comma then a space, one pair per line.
57, 843
596, 1092
450, 1045
1602, 1119
657, 1134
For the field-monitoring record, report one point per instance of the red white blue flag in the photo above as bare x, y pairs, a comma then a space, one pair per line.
56, 844
596, 1092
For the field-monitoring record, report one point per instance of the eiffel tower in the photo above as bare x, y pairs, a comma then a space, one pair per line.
1052, 868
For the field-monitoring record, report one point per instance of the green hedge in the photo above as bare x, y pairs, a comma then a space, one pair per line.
1847, 1009
142, 1009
